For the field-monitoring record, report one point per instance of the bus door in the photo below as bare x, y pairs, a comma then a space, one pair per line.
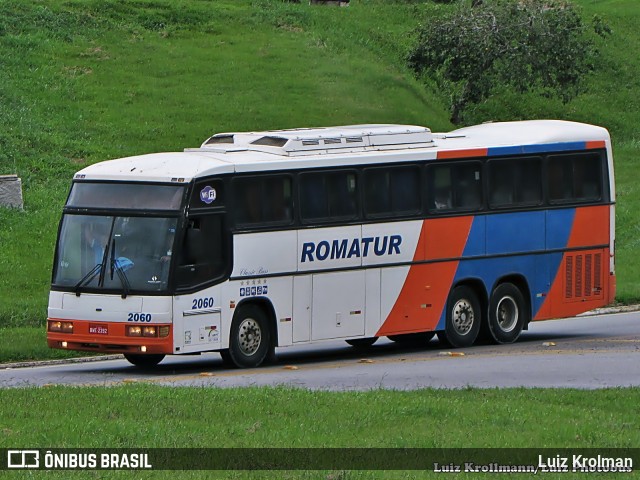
197, 313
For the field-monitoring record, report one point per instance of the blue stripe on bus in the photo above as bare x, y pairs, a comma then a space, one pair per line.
548, 147
521, 232
559, 223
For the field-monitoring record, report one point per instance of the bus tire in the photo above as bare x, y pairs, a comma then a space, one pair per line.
362, 342
226, 357
144, 361
413, 339
463, 318
250, 340
507, 313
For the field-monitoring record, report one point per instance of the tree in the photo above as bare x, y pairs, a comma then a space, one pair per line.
524, 44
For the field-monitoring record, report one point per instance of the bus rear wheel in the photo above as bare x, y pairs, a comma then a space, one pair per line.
250, 342
463, 318
507, 313
144, 361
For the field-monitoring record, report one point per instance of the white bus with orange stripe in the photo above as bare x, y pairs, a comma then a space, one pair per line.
269, 239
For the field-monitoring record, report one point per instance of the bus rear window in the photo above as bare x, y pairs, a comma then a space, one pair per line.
126, 196
575, 177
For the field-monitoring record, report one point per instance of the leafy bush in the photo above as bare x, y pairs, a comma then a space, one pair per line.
527, 45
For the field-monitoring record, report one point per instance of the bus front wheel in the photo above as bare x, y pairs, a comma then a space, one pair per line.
226, 357
250, 341
507, 313
463, 318
144, 361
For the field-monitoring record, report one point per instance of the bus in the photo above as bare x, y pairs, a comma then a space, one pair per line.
260, 240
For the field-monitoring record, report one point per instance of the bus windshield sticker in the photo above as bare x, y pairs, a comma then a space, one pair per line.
208, 195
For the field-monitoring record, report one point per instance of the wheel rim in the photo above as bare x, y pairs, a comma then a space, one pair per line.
507, 314
462, 317
249, 336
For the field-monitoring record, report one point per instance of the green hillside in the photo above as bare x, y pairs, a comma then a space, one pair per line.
84, 81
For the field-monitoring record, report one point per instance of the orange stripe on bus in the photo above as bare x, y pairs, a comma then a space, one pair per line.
426, 287
471, 152
590, 226
595, 144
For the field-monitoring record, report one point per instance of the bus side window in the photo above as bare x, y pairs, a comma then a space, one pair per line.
313, 197
559, 179
587, 177
468, 186
328, 196
575, 177
264, 200
277, 199
529, 181
455, 186
515, 182
392, 190
248, 206
405, 189
377, 198
441, 197
342, 195
501, 182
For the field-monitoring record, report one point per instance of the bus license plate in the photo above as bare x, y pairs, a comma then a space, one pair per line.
98, 329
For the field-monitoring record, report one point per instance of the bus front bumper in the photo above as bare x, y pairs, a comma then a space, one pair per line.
109, 337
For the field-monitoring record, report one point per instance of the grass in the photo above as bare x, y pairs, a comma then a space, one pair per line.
148, 416
85, 81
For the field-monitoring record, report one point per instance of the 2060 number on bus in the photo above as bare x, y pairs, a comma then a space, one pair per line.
200, 303
139, 317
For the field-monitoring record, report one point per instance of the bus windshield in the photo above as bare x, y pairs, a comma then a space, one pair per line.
114, 253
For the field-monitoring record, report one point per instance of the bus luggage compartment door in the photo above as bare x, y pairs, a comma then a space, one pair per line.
338, 305
201, 330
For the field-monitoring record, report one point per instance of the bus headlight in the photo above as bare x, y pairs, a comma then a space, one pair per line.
58, 326
134, 331
148, 331
55, 326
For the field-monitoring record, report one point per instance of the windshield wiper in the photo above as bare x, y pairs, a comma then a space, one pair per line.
113, 265
126, 286
88, 278
111, 260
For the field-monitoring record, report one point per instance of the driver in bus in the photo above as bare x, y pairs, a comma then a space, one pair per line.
95, 237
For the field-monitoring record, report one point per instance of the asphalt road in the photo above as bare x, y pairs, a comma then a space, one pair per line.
587, 352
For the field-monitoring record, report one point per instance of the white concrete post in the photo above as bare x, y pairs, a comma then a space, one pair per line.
11, 191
